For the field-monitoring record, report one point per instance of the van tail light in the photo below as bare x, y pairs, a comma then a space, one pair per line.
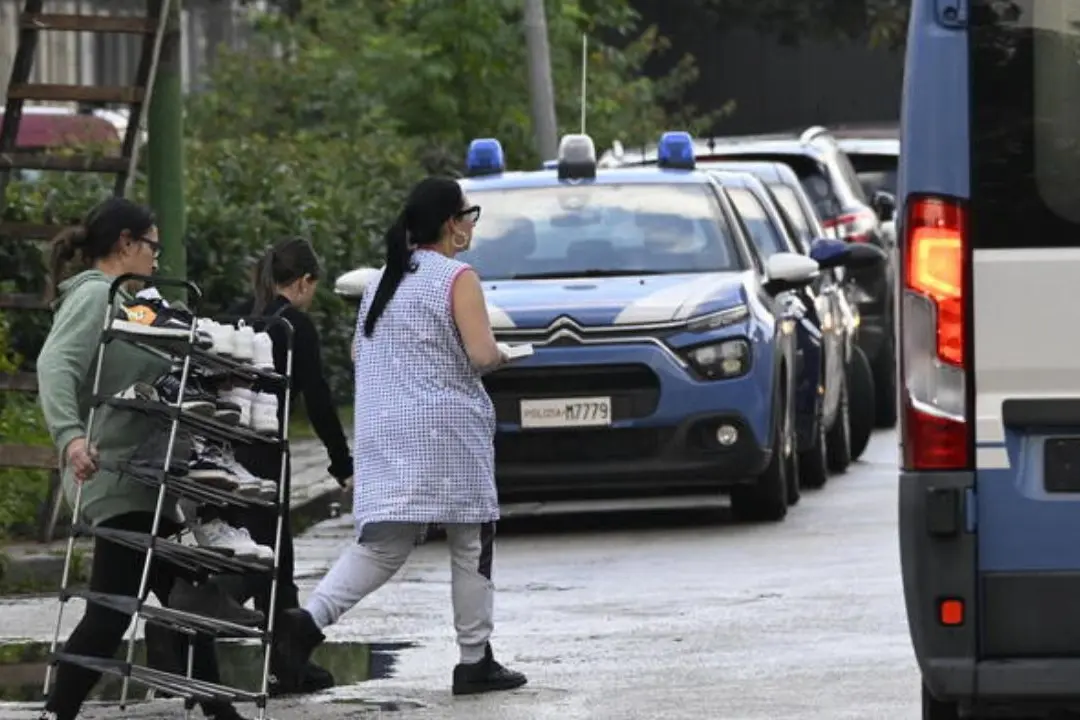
852, 227
936, 431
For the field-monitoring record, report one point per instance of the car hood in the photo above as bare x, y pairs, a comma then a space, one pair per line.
607, 302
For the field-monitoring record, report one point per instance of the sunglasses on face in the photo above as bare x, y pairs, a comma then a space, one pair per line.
472, 214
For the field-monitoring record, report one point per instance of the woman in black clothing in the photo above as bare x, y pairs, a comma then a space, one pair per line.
286, 278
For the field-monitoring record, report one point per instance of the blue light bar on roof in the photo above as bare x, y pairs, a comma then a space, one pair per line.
676, 151
485, 157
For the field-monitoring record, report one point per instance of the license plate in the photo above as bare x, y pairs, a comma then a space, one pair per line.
566, 412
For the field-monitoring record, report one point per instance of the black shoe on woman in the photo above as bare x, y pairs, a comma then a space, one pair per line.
487, 675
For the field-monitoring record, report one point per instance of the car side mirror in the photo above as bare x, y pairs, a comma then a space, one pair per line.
789, 271
884, 204
351, 285
864, 255
829, 253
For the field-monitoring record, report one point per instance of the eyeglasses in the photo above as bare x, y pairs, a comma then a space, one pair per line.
472, 214
155, 246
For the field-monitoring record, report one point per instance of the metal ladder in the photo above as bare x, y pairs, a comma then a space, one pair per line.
32, 22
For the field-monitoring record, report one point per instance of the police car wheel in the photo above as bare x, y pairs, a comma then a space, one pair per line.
934, 709
766, 499
791, 454
838, 442
860, 402
813, 471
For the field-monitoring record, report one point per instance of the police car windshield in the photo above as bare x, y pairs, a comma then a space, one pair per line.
598, 230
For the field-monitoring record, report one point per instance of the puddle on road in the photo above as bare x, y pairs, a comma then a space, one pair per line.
22, 667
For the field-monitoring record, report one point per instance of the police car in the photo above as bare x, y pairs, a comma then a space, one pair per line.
664, 356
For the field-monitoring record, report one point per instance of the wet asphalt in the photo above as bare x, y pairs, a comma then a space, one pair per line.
627, 616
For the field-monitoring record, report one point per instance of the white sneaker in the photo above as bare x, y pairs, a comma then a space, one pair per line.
245, 341
243, 397
248, 484
262, 351
264, 414
218, 535
222, 337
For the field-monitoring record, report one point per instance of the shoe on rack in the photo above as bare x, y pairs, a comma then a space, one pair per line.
245, 339
487, 675
210, 600
227, 411
205, 468
195, 399
262, 352
222, 337
242, 398
219, 535
148, 316
247, 482
295, 637
139, 391
264, 414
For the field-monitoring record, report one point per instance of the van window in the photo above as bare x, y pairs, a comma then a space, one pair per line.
1025, 133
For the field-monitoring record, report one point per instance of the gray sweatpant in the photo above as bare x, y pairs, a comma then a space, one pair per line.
380, 553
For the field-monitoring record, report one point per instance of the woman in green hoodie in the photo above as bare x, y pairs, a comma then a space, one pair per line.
117, 237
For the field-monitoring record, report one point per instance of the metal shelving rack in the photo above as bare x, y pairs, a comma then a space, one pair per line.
201, 561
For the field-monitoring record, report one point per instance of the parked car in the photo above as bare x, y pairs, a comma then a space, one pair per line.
874, 151
825, 331
47, 128
664, 360
846, 212
802, 224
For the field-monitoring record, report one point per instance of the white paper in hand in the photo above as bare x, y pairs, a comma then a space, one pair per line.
515, 352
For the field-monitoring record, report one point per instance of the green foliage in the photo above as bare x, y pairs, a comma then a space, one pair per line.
22, 492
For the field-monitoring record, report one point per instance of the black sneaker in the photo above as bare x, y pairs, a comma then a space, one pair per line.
211, 601
220, 710
296, 637
149, 316
316, 679
208, 469
484, 676
195, 400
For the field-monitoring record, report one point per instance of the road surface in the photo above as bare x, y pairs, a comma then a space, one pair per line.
673, 615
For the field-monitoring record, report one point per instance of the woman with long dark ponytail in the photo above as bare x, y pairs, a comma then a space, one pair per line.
424, 435
284, 282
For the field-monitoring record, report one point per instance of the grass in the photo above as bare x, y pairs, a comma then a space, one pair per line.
300, 427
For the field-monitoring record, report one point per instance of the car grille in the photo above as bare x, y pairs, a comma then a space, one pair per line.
547, 447
634, 389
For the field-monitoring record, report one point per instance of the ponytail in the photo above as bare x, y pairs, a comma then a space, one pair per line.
398, 262
263, 282
63, 249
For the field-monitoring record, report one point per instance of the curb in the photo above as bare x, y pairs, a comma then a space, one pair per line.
37, 572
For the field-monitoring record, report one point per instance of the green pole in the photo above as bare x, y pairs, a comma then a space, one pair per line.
165, 153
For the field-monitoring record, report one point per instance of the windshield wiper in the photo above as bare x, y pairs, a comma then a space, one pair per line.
583, 273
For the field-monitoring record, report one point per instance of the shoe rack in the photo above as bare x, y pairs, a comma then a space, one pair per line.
188, 353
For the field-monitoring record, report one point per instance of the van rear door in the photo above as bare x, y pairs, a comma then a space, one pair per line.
1024, 230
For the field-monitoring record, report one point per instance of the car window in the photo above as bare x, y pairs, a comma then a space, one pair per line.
765, 236
789, 204
582, 230
876, 172
851, 178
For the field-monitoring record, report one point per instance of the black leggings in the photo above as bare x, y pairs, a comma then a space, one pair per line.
117, 570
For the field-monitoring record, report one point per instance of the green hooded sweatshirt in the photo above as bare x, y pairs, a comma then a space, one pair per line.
65, 370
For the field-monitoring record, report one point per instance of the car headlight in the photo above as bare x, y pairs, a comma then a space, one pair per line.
717, 320
721, 360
